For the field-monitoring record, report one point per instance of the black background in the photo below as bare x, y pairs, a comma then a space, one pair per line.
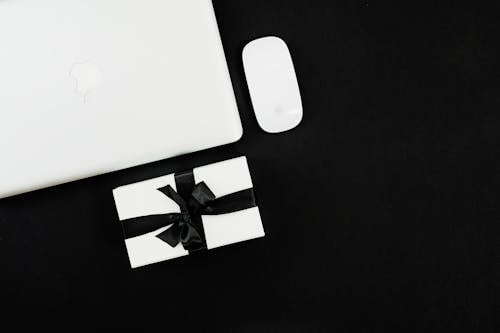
380, 209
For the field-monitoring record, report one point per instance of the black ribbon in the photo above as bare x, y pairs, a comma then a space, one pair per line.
194, 200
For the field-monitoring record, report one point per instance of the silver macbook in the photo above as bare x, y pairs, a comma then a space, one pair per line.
92, 86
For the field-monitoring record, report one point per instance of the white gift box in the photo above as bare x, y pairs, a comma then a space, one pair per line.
144, 199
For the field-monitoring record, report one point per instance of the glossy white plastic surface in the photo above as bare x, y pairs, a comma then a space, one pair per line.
273, 85
92, 86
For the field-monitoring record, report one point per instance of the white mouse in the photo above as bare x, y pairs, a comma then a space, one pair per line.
273, 85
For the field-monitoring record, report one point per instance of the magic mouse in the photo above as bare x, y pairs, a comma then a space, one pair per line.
272, 83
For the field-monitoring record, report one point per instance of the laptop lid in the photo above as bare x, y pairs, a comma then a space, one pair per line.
93, 86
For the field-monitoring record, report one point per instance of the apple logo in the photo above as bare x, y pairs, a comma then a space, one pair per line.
87, 76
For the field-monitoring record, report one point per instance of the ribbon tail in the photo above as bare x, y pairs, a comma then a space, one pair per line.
172, 194
171, 235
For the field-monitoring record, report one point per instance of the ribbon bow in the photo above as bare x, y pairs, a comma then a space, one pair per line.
183, 228
186, 227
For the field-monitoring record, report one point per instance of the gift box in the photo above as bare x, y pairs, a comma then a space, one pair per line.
178, 214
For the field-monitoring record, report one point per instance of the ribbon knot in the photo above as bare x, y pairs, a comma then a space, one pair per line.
186, 218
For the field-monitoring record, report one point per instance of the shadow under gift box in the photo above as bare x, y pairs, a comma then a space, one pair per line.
144, 199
